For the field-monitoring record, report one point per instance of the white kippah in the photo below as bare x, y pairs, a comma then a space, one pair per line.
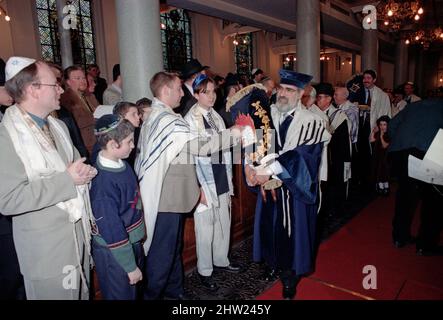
15, 65
254, 71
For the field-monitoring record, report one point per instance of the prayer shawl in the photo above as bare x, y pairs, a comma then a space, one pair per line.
336, 118
352, 112
380, 105
203, 164
323, 173
41, 159
161, 140
306, 129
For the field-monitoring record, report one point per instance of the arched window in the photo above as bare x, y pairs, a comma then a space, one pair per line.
243, 54
82, 37
176, 39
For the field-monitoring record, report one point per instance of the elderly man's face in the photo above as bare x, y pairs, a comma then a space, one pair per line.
288, 97
48, 90
307, 100
340, 96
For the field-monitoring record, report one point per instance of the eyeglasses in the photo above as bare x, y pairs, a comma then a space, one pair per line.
56, 85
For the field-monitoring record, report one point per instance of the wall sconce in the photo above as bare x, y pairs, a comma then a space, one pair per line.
4, 13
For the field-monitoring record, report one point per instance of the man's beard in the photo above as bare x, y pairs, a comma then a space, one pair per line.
283, 105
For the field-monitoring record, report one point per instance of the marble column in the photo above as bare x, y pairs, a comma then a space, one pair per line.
308, 38
369, 54
65, 34
140, 46
401, 63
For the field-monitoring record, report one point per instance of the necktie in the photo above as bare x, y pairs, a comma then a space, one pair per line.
368, 102
211, 121
48, 134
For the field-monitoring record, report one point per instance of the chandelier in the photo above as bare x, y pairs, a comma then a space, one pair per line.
396, 14
425, 37
3, 13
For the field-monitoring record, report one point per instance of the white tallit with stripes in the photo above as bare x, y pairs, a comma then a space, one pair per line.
203, 164
162, 138
307, 128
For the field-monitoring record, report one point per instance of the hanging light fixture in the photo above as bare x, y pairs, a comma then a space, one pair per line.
425, 37
398, 13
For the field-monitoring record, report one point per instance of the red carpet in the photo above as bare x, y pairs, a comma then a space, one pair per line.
366, 240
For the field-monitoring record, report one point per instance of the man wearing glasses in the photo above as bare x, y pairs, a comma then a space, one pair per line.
44, 186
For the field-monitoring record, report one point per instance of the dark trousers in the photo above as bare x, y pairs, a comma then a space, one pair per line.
11, 280
164, 268
363, 156
112, 278
406, 198
431, 217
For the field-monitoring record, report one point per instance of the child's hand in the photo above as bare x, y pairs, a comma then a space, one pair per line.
135, 276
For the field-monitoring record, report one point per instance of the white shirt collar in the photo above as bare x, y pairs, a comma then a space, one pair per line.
203, 111
189, 88
105, 162
289, 113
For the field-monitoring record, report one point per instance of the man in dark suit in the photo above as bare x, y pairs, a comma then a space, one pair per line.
94, 71
189, 72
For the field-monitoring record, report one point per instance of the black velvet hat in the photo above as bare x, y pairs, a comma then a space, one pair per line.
325, 88
191, 67
231, 80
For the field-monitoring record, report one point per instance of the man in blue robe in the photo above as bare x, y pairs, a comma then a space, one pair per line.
285, 221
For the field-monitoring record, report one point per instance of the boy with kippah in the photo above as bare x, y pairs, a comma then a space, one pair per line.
117, 248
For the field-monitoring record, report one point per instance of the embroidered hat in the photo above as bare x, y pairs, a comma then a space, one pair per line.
300, 80
200, 78
107, 123
16, 64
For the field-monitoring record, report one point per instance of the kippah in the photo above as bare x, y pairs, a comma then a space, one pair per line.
107, 123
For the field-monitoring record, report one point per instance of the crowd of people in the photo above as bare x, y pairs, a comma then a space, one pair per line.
91, 180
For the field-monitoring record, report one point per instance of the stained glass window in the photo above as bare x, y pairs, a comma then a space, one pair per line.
82, 38
243, 54
176, 39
